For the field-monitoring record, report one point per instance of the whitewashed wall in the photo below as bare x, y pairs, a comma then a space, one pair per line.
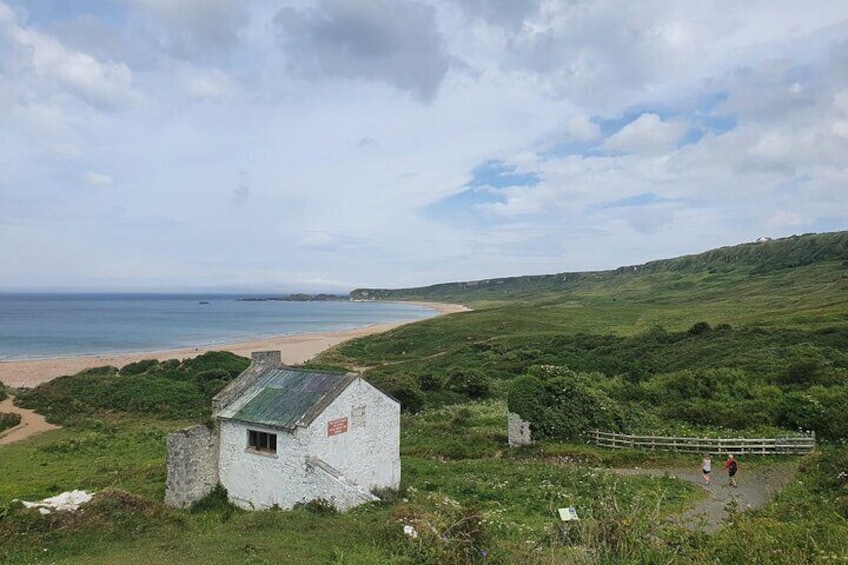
256, 480
367, 453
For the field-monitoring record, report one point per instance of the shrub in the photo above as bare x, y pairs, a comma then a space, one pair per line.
699, 328
526, 396
138, 367
404, 389
217, 501
800, 410
470, 383
446, 532
8, 420
561, 404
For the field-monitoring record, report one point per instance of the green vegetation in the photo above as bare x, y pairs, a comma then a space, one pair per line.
751, 339
8, 420
807, 260
168, 390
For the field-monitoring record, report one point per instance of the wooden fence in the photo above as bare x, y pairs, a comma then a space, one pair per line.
795, 445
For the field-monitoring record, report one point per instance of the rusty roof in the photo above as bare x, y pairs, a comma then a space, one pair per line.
286, 398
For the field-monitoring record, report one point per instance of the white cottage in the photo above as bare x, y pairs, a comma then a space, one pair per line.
285, 436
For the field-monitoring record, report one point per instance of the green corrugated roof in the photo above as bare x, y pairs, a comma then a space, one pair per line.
286, 398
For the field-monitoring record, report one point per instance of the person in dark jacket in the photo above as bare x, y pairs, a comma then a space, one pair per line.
731, 467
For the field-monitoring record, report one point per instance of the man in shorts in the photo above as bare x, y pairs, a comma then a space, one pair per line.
731, 467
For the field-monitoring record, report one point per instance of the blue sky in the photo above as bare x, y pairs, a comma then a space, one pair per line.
323, 145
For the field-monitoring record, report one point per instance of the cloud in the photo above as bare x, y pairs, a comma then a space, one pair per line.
97, 180
210, 83
40, 63
646, 135
195, 29
508, 13
554, 136
397, 43
581, 128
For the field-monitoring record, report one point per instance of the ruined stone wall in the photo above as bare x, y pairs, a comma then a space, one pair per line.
518, 430
192, 460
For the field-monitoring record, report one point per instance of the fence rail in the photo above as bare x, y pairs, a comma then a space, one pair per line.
795, 445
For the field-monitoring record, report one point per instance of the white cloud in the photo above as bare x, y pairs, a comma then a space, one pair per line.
646, 135
581, 128
211, 83
97, 180
235, 128
48, 66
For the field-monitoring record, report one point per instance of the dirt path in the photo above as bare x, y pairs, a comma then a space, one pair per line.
31, 423
756, 488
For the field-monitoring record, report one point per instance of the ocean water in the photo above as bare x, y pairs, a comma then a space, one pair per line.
61, 325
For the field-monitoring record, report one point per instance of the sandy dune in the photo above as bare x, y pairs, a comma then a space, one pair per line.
296, 349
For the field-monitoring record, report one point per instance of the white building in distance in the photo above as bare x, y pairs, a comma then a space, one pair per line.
285, 436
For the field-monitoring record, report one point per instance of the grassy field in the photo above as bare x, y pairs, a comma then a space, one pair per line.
491, 501
512, 496
744, 340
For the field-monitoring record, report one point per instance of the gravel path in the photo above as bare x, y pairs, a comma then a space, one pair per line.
756, 487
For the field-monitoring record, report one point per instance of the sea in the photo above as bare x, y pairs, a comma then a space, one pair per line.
34, 326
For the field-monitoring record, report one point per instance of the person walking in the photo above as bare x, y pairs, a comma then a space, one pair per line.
706, 467
731, 467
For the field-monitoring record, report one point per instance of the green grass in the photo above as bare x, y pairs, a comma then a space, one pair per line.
516, 496
124, 453
514, 493
744, 340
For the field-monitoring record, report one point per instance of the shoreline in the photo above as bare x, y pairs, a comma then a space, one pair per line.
296, 349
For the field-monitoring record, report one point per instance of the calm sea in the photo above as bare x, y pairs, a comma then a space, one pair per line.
61, 325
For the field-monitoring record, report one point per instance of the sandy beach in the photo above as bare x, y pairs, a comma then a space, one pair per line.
295, 349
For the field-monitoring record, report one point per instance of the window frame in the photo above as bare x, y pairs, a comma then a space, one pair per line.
261, 442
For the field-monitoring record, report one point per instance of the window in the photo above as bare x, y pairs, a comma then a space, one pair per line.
262, 441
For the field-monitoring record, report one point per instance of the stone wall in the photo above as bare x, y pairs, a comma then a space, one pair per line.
518, 430
192, 460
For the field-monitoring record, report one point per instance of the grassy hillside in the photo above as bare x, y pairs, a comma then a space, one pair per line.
760, 268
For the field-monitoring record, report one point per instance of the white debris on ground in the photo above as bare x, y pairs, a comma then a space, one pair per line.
67, 502
410, 531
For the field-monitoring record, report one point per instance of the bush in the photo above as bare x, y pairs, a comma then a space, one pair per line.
700, 328
171, 389
8, 420
526, 396
446, 532
404, 389
470, 383
561, 404
217, 501
139, 367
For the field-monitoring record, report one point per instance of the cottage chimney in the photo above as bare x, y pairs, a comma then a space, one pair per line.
267, 359
260, 361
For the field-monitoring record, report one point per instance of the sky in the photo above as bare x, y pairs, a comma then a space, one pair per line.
325, 145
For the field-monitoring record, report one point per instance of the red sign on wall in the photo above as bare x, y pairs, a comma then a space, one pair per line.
335, 427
